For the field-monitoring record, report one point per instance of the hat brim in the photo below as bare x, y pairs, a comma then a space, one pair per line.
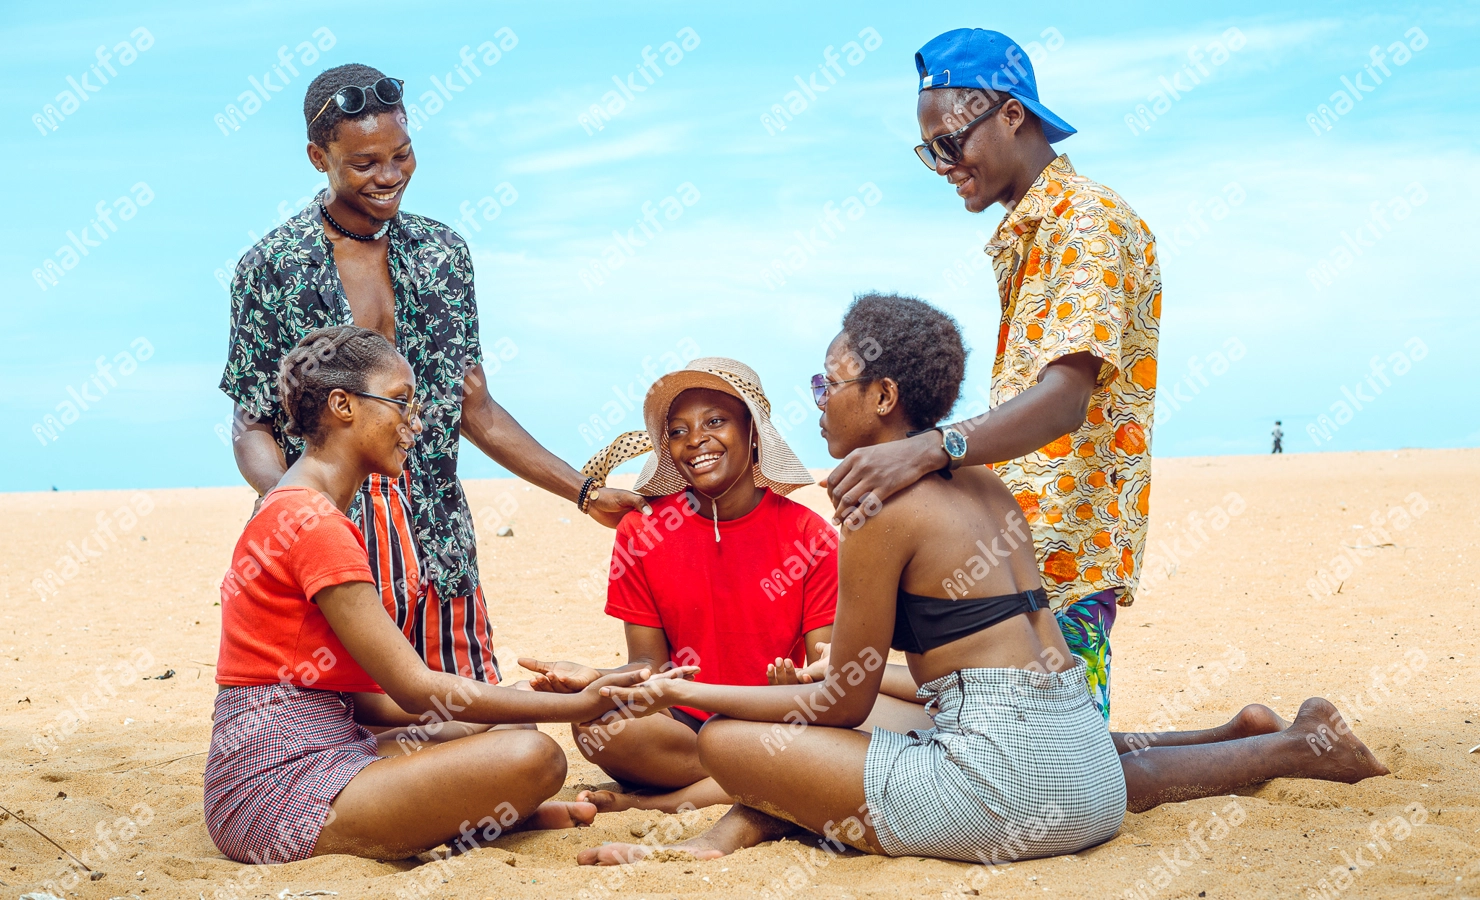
779, 468
1055, 129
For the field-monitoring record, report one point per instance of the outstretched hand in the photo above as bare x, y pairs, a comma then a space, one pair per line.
785, 671
652, 695
882, 471
559, 677
612, 504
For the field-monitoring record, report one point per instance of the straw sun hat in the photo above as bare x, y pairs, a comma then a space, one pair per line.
779, 469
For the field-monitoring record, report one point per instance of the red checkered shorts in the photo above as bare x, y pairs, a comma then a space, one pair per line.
279, 756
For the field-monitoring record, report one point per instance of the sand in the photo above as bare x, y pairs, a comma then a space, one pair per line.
1235, 598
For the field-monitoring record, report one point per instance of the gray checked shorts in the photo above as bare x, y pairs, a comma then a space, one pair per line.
1019, 765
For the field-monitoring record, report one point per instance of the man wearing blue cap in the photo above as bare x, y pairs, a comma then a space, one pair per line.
1074, 380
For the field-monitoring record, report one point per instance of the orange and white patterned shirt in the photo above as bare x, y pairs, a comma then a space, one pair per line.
1076, 271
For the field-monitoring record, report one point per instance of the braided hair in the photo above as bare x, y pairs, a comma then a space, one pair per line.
326, 85
342, 357
919, 347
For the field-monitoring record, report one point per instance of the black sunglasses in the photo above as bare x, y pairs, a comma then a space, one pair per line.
352, 99
947, 147
410, 409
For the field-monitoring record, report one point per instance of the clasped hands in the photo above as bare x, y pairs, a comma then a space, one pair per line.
638, 692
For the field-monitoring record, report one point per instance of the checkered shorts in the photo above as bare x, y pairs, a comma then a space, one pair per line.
1019, 765
279, 756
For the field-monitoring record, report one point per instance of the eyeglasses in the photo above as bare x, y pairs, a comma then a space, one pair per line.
947, 147
410, 409
821, 387
352, 99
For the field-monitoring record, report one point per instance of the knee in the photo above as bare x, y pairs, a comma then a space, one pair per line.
717, 742
536, 756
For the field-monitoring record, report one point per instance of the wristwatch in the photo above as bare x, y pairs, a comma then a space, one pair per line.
954, 443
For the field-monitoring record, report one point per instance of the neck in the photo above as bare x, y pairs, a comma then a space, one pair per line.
891, 428
349, 217
736, 500
331, 474
1033, 165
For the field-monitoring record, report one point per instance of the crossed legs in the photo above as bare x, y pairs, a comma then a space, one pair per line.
816, 784
484, 781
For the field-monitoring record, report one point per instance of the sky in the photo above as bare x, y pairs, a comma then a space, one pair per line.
1303, 240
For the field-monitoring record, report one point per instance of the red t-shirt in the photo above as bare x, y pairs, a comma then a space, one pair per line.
730, 607
271, 630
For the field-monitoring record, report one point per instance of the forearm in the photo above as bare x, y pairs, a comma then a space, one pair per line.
828, 702
1018, 427
448, 697
900, 684
491, 429
258, 456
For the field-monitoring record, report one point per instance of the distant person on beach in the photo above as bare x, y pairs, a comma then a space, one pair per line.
1003, 755
1279, 437
1074, 378
726, 574
308, 658
353, 257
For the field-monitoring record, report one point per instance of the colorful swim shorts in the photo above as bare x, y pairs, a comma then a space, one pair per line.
1086, 626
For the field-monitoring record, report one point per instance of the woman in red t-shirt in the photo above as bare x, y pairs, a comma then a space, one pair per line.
309, 657
724, 573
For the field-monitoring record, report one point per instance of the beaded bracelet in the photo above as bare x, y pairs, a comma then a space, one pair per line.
582, 501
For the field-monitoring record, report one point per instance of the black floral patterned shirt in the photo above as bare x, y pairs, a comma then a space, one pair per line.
287, 286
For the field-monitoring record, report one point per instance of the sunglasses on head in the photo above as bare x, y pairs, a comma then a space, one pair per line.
352, 99
947, 147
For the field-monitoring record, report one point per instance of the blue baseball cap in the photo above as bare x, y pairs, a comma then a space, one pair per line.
989, 61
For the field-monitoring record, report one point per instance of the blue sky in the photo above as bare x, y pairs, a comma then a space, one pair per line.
1237, 276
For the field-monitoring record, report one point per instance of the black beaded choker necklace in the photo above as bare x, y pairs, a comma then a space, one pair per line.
385, 226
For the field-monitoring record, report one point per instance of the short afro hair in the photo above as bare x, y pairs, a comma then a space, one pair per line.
913, 343
330, 82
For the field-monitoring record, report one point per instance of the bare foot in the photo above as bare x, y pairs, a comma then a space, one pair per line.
626, 854
555, 814
608, 801
1336, 753
702, 793
1256, 718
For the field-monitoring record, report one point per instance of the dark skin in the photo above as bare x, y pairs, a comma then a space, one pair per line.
369, 163
1001, 158
914, 543
711, 440
382, 813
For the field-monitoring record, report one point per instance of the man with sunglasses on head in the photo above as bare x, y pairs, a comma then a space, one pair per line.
1074, 379
353, 257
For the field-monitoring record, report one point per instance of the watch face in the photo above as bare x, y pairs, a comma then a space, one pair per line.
955, 444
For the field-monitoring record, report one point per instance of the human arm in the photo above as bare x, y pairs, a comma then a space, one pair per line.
900, 684
1055, 406
817, 644
491, 429
258, 456
647, 648
354, 611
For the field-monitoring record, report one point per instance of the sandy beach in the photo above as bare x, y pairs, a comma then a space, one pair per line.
105, 757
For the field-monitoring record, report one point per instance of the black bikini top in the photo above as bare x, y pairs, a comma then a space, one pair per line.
924, 623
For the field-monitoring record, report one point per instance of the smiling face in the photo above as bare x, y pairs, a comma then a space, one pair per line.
368, 163
381, 434
984, 175
710, 439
